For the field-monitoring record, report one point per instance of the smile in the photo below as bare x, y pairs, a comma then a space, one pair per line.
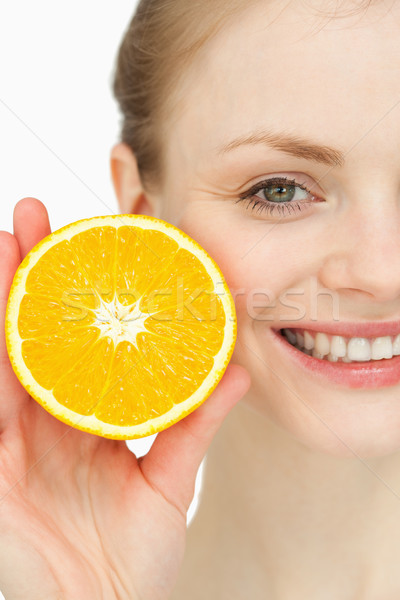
336, 348
345, 361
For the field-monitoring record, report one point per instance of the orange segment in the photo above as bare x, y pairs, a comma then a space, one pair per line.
183, 325
47, 359
57, 274
39, 315
179, 285
82, 386
98, 263
126, 397
140, 255
119, 325
180, 369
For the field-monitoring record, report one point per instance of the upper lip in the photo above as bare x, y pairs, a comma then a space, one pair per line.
347, 329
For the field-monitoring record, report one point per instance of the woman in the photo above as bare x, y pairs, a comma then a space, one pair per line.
269, 134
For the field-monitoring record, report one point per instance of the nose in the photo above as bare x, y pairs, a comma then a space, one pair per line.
362, 261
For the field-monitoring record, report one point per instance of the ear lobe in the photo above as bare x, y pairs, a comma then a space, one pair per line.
127, 183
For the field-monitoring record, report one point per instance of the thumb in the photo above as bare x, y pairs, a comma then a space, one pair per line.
172, 463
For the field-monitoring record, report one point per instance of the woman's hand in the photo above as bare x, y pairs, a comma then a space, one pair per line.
80, 516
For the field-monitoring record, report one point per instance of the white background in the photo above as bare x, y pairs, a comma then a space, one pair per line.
58, 120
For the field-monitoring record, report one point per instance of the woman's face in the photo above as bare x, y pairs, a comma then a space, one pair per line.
333, 256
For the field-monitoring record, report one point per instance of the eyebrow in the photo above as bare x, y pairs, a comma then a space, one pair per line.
290, 144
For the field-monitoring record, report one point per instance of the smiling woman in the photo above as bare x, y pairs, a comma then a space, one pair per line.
268, 133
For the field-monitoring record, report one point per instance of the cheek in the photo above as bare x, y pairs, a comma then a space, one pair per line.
220, 235
267, 267
229, 240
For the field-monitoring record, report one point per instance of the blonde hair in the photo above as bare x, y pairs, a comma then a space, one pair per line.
160, 42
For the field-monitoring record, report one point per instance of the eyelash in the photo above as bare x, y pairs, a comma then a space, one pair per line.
264, 204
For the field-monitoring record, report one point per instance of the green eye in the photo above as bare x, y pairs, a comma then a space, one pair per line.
278, 193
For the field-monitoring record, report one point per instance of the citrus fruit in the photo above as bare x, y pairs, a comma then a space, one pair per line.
119, 325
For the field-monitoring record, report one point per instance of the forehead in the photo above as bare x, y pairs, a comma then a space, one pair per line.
291, 70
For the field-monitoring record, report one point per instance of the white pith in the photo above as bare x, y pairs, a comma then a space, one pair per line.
336, 348
120, 322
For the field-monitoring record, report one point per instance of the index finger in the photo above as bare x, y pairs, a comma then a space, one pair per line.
31, 223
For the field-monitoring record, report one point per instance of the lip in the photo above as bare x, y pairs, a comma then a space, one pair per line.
348, 329
382, 373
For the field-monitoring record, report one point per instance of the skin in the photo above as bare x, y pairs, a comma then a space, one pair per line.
301, 485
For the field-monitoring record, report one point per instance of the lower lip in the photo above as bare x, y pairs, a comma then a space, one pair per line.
375, 374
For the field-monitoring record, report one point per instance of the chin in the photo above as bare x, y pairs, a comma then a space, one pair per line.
345, 425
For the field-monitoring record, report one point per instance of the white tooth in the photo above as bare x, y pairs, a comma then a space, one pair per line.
382, 348
308, 341
300, 339
346, 359
359, 349
338, 346
396, 345
332, 358
322, 344
317, 354
290, 336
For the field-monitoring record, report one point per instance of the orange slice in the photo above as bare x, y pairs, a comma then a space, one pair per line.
119, 325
